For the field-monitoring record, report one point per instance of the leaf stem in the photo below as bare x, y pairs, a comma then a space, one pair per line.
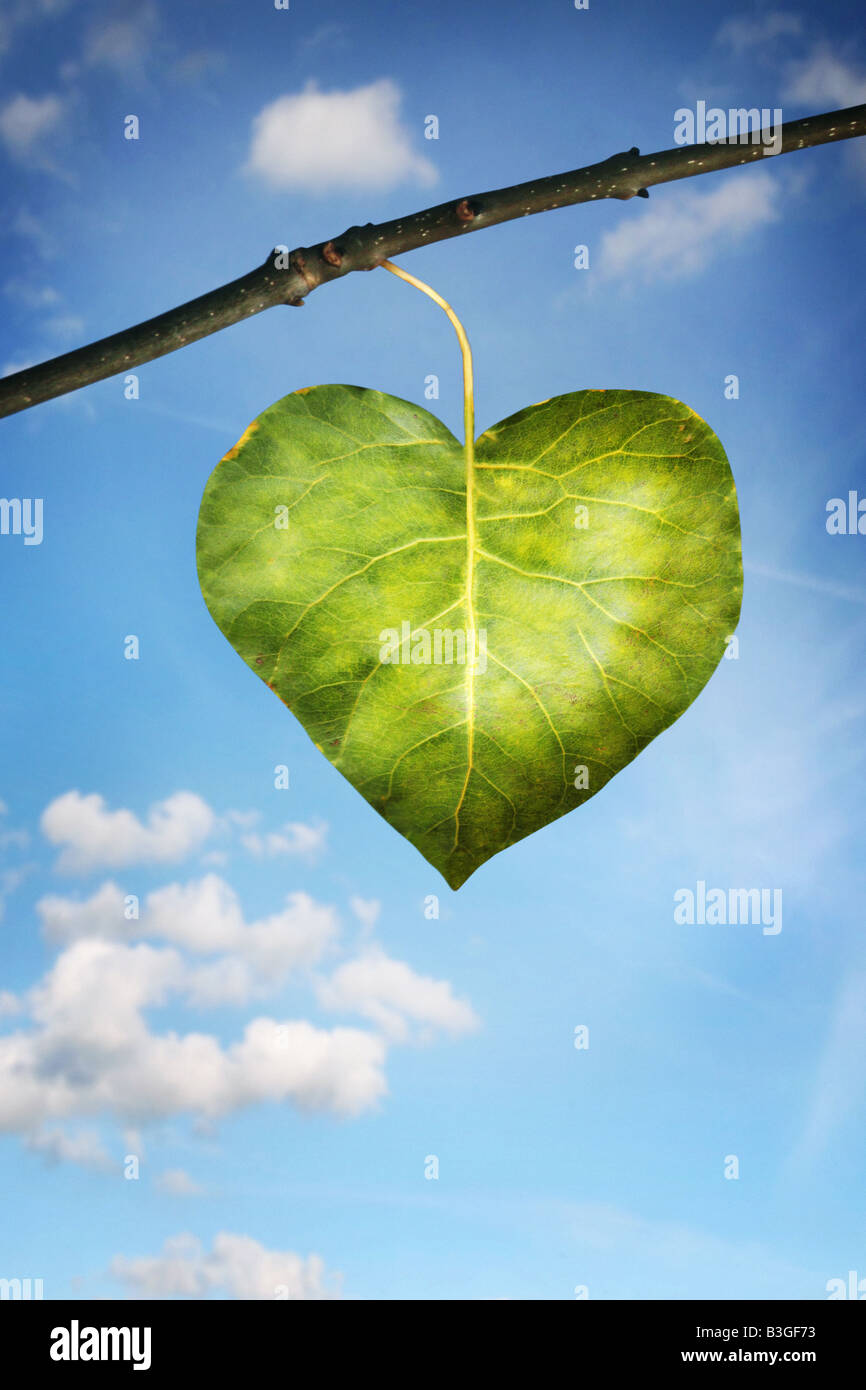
465, 349
469, 454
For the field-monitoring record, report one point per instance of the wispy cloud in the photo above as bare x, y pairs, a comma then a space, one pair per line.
778, 715
839, 1086
40, 236
825, 79
295, 839
367, 912
199, 65
18, 15
744, 32
32, 296
394, 997
83, 1147
124, 45
626, 1247
65, 326
846, 592
686, 231
176, 1182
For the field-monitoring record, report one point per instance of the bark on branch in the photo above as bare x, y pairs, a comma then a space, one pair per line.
288, 278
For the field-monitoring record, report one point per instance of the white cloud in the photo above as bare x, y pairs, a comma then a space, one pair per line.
76, 1059
682, 234
392, 995
204, 917
340, 1070
823, 79
84, 1059
85, 1045
176, 1182
754, 31
123, 979
237, 1266
317, 141
296, 838
94, 837
26, 122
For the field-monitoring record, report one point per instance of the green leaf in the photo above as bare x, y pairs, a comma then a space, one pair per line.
342, 514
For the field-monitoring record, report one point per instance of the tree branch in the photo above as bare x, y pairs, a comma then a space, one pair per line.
285, 278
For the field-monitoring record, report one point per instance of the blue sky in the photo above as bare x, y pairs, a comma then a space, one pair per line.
283, 1038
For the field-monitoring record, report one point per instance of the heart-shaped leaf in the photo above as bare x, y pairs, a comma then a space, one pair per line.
477, 655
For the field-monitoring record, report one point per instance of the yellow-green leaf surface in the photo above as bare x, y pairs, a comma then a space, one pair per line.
587, 571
